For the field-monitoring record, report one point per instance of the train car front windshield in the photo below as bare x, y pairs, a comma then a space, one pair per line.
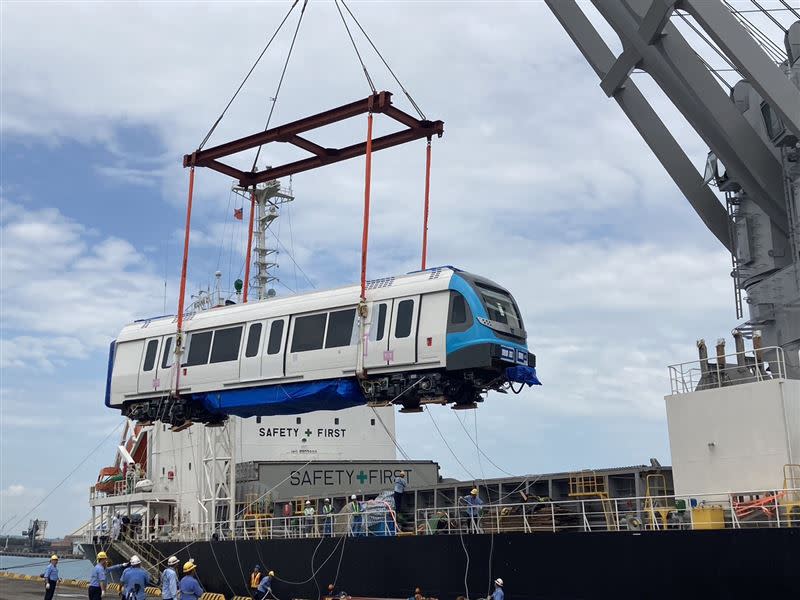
500, 307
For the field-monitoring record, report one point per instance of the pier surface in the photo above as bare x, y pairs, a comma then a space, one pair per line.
13, 589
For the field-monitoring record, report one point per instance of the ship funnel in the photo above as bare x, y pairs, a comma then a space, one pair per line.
703, 352
720, 356
738, 339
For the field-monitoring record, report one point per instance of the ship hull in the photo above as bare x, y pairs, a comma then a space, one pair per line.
665, 564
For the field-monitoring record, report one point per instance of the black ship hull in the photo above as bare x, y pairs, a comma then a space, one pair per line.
564, 566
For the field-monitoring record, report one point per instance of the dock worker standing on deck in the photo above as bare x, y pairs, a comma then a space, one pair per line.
308, 518
400, 484
116, 525
169, 580
134, 580
327, 515
498, 593
355, 518
189, 587
474, 503
50, 576
99, 578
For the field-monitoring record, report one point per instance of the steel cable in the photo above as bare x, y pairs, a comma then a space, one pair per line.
358, 54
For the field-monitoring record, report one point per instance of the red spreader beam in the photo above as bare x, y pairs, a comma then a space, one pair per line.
380, 102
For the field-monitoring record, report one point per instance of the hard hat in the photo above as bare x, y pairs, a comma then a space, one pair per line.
402, 473
271, 573
308, 502
499, 582
189, 566
353, 497
417, 591
327, 500
330, 586
474, 491
135, 560
172, 560
102, 556
54, 557
257, 568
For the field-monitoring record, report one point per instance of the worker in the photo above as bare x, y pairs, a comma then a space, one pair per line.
189, 587
400, 484
327, 515
331, 591
308, 518
265, 587
417, 595
474, 503
169, 580
116, 524
498, 590
255, 579
287, 518
50, 576
100, 576
355, 518
134, 580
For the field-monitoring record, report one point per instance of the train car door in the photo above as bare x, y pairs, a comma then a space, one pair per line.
273, 348
403, 331
148, 367
250, 366
377, 343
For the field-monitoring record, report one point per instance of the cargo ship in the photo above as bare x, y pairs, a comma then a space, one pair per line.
723, 521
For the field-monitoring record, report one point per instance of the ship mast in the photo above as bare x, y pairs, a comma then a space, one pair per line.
270, 198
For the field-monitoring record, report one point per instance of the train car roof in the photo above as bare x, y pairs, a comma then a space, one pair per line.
416, 282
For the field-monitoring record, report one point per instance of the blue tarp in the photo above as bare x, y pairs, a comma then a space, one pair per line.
521, 374
285, 399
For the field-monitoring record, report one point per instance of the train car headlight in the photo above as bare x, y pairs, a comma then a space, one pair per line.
507, 353
522, 357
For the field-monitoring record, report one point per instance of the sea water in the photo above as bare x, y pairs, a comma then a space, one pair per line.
68, 568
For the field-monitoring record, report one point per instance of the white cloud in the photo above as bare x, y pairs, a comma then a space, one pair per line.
14, 490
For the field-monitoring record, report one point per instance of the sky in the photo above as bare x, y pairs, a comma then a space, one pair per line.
539, 183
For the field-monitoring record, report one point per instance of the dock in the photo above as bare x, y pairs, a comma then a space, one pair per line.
20, 589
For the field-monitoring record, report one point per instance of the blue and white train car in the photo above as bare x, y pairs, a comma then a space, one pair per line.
439, 335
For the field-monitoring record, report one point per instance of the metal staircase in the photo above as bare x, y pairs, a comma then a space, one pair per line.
151, 558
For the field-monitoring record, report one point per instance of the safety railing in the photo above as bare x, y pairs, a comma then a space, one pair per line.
776, 508
731, 369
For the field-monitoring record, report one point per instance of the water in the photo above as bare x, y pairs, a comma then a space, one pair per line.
68, 568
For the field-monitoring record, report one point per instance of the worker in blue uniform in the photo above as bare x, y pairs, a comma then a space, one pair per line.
265, 587
474, 503
100, 575
189, 587
498, 593
169, 580
134, 580
50, 576
400, 484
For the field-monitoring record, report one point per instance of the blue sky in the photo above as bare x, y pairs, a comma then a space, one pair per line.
539, 183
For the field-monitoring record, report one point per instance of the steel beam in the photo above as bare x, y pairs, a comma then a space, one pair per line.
763, 74
645, 120
683, 77
290, 133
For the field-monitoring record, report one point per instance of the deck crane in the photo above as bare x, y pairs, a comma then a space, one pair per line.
753, 130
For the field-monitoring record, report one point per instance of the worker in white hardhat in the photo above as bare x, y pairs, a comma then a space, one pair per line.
308, 518
50, 576
169, 580
134, 580
265, 587
327, 515
498, 593
355, 517
474, 510
189, 587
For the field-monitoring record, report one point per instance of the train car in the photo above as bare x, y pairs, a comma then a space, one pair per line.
439, 335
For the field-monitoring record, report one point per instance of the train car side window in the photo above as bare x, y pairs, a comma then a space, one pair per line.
405, 314
275, 337
199, 347
253, 339
382, 310
150, 355
460, 314
309, 333
167, 355
340, 328
226, 344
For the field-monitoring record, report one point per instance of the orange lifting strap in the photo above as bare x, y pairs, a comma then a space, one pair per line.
249, 245
365, 233
427, 204
182, 293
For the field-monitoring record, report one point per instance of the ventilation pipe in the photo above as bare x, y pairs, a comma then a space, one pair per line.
738, 340
720, 358
703, 352
757, 350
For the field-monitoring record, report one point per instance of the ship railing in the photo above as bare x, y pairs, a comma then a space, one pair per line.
765, 508
764, 364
